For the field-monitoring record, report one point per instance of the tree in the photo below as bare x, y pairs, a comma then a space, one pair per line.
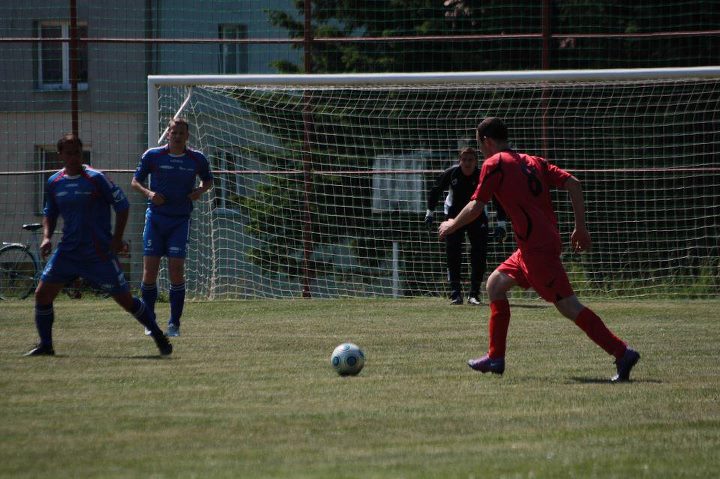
409, 18
413, 18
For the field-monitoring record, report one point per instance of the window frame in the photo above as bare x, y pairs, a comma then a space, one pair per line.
240, 51
65, 83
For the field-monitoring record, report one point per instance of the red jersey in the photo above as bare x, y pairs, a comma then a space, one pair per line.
521, 183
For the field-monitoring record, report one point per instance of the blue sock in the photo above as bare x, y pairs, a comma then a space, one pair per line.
144, 316
44, 317
149, 295
177, 301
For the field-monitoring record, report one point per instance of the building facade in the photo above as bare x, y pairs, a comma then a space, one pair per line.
121, 43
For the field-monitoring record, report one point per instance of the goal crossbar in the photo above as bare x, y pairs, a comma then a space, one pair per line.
357, 79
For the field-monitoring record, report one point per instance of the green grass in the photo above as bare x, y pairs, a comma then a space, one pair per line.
249, 392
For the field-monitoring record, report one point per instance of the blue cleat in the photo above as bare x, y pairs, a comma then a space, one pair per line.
173, 330
487, 365
625, 365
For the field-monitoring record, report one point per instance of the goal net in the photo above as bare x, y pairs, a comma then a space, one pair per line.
321, 180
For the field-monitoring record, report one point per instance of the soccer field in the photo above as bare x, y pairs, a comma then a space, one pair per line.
249, 392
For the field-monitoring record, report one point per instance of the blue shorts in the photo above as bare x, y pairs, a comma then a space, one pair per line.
165, 235
106, 275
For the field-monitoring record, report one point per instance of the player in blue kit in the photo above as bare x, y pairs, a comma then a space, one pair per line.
173, 169
83, 197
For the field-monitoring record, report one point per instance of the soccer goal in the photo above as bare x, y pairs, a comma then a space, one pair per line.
321, 180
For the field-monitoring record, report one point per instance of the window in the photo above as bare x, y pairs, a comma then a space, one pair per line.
233, 56
53, 58
46, 158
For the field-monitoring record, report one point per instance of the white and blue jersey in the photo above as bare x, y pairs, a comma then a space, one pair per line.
173, 176
84, 201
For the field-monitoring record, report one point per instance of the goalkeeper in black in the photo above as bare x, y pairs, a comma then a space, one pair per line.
461, 181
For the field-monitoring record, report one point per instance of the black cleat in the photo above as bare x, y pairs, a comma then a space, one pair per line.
625, 365
163, 344
41, 350
455, 300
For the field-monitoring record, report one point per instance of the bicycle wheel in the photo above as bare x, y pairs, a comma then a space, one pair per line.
18, 270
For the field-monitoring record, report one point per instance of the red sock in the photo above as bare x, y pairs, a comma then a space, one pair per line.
498, 326
599, 333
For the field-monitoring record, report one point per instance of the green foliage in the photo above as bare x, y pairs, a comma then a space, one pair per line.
393, 18
569, 18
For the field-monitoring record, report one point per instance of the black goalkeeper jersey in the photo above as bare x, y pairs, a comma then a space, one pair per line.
460, 189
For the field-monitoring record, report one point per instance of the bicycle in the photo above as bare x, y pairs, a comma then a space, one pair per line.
21, 266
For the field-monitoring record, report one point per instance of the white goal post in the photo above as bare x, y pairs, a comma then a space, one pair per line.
321, 180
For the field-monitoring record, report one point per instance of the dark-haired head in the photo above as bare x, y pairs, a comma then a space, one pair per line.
68, 139
178, 122
468, 150
492, 127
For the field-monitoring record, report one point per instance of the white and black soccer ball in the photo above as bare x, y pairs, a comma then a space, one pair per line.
347, 359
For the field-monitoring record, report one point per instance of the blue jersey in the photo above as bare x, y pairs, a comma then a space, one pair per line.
173, 176
84, 203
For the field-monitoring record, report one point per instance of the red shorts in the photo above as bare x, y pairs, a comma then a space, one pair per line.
544, 272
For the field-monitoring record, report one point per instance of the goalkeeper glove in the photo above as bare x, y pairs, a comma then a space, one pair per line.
500, 232
429, 220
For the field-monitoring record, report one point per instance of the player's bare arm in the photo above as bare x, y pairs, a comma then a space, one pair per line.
156, 198
49, 225
580, 238
468, 214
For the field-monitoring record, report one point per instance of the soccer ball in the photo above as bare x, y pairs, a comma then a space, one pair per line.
347, 359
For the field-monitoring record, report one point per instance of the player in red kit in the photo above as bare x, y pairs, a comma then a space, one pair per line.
521, 183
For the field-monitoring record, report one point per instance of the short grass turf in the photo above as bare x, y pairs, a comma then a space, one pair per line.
249, 392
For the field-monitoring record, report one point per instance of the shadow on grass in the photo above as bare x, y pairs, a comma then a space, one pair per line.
156, 357
585, 380
67, 356
144, 357
72, 356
